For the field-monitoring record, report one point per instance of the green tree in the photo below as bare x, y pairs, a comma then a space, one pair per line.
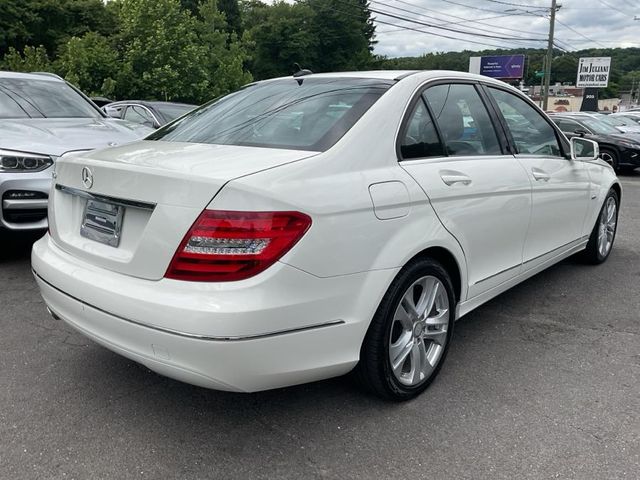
232, 15
16, 16
343, 32
32, 59
50, 23
281, 36
91, 63
161, 56
169, 54
564, 69
226, 55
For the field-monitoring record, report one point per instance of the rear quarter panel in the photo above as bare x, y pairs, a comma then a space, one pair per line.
346, 236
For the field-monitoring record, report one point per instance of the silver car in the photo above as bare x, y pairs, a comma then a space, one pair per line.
42, 117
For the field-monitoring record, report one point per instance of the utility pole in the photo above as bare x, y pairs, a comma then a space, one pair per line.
547, 70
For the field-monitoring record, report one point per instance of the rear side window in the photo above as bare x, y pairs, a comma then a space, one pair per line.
567, 126
463, 120
420, 138
301, 114
531, 133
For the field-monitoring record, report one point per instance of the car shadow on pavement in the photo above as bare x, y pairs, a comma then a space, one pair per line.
16, 246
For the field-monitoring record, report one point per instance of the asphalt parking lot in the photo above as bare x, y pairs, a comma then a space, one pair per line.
542, 382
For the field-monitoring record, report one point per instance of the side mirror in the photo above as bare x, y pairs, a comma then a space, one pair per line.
584, 150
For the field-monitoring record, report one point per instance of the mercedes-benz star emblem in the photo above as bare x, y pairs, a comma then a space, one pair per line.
87, 177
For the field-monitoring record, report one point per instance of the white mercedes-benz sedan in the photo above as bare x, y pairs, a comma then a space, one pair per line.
307, 226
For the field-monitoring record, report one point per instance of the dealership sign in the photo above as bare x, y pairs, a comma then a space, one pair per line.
499, 66
593, 72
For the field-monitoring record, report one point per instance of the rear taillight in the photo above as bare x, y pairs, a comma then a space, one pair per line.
224, 246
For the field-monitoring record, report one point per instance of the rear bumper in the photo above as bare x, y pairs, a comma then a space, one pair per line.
24, 213
280, 328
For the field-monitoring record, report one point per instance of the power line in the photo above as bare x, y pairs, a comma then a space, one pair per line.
464, 21
462, 32
479, 8
407, 27
474, 21
452, 23
514, 4
579, 33
612, 7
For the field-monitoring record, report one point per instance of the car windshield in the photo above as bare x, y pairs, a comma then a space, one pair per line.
616, 122
598, 126
301, 114
631, 119
171, 112
29, 98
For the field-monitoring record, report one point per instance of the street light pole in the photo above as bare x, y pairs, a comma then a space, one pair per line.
547, 70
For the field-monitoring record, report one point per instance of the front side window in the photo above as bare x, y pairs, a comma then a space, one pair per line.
420, 138
301, 114
463, 120
29, 98
531, 133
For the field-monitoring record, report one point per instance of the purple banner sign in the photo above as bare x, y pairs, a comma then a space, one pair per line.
503, 66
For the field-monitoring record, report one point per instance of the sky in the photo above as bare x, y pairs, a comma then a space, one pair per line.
580, 24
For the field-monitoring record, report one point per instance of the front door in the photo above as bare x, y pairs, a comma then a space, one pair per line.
560, 186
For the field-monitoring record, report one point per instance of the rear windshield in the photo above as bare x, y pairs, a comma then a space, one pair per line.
598, 126
29, 98
300, 114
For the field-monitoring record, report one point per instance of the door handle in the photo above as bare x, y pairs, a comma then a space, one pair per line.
540, 175
451, 178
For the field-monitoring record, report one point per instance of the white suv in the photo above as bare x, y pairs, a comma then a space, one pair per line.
42, 117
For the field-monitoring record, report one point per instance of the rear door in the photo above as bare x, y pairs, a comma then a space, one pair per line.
449, 143
560, 186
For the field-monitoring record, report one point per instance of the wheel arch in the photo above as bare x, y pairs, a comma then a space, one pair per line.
448, 261
618, 189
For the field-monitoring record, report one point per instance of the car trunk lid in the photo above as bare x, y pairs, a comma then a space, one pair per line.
127, 208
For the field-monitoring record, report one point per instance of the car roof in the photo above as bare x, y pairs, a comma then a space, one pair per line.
568, 117
32, 76
151, 102
401, 74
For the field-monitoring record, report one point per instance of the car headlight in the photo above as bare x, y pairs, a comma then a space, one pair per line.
19, 162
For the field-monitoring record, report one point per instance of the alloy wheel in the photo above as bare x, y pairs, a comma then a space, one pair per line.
607, 227
419, 331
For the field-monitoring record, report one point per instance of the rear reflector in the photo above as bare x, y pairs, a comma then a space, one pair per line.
224, 246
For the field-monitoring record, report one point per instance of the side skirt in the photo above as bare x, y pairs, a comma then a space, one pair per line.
468, 305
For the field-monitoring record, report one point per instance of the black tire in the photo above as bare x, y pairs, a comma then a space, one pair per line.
611, 157
374, 371
592, 253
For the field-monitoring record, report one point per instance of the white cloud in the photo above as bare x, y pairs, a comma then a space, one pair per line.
604, 26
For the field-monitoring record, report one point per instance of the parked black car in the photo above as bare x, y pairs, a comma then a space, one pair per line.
152, 114
621, 150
